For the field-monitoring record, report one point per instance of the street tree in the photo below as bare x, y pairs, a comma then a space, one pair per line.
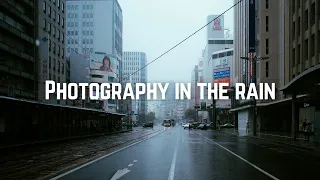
190, 113
151, 116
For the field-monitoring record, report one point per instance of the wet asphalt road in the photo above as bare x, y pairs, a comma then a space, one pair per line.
182, 154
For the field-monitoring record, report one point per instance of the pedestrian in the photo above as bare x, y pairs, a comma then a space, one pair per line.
305, 129
189, 126
219, 125
308, 130
247, 127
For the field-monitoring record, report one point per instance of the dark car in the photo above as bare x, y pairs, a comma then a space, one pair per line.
135, 125
202, 127
148, 125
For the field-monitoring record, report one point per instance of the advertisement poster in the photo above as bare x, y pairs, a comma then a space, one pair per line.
221, 75
103, 62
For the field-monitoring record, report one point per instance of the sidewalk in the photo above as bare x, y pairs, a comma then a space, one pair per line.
282, 139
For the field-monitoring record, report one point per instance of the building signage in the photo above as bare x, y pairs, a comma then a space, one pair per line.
221, 73
217, 24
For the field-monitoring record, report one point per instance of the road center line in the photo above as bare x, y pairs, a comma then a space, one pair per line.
173, 163
102, 157
256, 167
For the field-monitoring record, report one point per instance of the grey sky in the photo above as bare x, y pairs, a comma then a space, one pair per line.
154, 26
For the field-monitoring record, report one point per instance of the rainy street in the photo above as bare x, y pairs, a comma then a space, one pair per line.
178, 153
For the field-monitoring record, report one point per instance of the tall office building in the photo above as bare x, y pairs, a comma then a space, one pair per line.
95, 28
131, 63
51, 47
18, 58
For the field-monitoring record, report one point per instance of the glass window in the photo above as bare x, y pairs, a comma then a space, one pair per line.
91, 41
44, 6
91, 24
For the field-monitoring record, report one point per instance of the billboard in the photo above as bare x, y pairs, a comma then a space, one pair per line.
103, 62
221, 75
218, 24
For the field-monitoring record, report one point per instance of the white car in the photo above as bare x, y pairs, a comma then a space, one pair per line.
185, 126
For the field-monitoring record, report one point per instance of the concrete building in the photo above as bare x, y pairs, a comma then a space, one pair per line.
18, 52
286, 32
94, 26
131, 63
51, 46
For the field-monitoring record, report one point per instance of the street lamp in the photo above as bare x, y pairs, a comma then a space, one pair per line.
254, 80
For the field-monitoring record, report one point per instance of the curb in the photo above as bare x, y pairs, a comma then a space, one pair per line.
279, 142
59, 140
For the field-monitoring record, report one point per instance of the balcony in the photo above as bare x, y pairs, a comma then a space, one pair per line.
15, 31
16, 72
16, 52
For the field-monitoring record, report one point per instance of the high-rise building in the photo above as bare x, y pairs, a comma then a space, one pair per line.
18, 52
132, 65
51, 45
95, 28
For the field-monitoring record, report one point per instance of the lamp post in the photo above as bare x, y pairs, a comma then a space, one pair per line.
253, 61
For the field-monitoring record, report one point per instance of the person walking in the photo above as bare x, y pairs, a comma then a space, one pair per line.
218, 125
305, 129
308, 130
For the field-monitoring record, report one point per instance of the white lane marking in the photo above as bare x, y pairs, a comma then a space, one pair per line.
93, 161
130, 165
173, 163
256, 167
135, 161
120, 173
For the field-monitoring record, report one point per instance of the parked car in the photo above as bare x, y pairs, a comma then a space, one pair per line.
135, 125
148, 125
227, 125
186, 126
202, 127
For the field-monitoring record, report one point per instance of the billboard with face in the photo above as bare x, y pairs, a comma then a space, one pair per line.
103, 62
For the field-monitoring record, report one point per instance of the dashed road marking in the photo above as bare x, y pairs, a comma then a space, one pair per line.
173, 163
130, 165
120, 173
135, 161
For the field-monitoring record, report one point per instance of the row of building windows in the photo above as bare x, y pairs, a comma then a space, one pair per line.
128, 63
59, 67
83, 33
48, 9
220, 41
53, 30
221, 55
76, 7
56, 49
76, 50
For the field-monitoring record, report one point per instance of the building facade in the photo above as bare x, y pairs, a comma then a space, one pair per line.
132, 65
51, 46
18, 52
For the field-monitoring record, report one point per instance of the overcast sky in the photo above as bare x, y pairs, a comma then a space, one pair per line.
154, 26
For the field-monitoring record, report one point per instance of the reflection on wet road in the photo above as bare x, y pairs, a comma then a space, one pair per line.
183, 154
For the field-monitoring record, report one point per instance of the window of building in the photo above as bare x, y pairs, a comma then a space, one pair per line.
62, 6
49, 27
54, 1
91, 6
313, 14
312, 45
267, 23
58, 34
91, 41
298, 4
68, 7
267, 46
76, 33
58, 3
306, 20
44, 6
58, 66
54, 48
72, 32
54, 15
91, 24
298, 54
87, 24
76, 50
76, 24
62, 22
76, 16
83, 15
76, 7
44, 23
306, 49
68, 41
293, 57
62, 68
83, 6
293, 30
298, 28
91, 15
91, 50
69, 24
54, 64
49, 62
267, 69
68, 50
87, 7
62, 37
49, 11
50, 44
91, 32
58, 18
83, 41
267, 4
62, 53
84, 24
54, 30
87, 41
